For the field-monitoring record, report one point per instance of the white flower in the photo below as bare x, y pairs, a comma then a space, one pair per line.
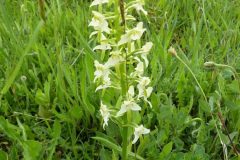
93, 33
131, 92
130, 17
103, 47
144, 51
105, 114
138, 5
144, 81
133, 34
139, 69
97, 2
138, 132
127, 106
172, 51
143, 90
99, 23
105, 84
102, 37
102, 73
115, 59
147, 47
23, 78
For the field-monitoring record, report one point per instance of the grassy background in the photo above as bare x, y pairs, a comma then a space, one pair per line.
49, 108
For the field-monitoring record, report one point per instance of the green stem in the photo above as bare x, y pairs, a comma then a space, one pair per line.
125, 117
218, 132
193, 77
125, 139
123, 76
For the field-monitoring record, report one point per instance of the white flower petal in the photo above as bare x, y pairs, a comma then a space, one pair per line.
131, 91
138, 131
149, 103
149, 91
133, 34
138, 6
101, 70
144, 57
122, 111
140, 26
93, 33
105, 114
124, 39
102, 74
144, 81
103, 47
99, 22
97, 2
130, 17
143, 91
136, 137
115, 59
135, 107
139, 69
103, 38
103, 86
147, 47
127, 106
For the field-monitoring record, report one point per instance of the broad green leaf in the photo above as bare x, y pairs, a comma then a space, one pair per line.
9, 129
166, 150
115, 147
204, 106
31, 150
3, 155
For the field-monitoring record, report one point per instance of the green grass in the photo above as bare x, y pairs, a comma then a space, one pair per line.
54, 112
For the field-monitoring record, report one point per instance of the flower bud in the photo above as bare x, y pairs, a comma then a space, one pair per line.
172, 51
23, 78
209, 64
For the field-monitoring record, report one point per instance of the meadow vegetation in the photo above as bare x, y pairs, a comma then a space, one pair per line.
48, 105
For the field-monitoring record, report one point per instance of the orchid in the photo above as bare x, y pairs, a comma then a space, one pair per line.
138, 5
138, 131
122, 65
144, 51
127, 106
99, 22
105, 114
115, 59
131, 92
106, 83
101, 72
133, 34
144, 81
143, 90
